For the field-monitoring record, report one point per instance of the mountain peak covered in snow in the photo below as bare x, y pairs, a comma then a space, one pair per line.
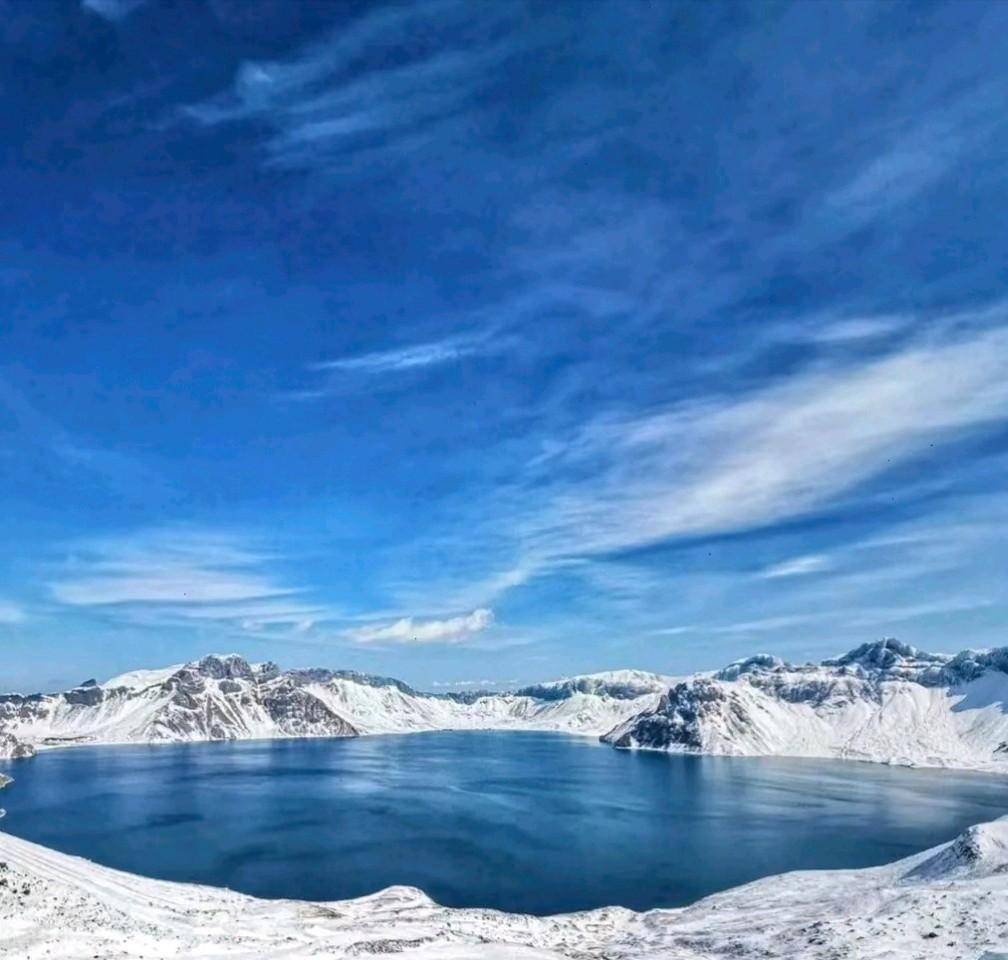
883, 701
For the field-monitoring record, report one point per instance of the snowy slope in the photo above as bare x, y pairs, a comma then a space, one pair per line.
942, 904
225, 697
883, 702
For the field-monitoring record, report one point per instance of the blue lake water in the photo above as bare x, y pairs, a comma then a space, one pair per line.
531, 822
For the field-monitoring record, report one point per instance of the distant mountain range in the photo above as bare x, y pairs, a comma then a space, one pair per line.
228, 698
884, 702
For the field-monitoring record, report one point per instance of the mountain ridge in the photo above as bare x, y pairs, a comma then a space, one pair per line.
224, 696
883, 701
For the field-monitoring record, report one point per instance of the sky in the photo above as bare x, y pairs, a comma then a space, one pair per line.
482, 343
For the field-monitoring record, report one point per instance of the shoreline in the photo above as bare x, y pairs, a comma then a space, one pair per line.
950, 764
944, 902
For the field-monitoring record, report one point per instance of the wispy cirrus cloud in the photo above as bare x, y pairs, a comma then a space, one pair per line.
797, 567
860, 618
184, 576
166, 567
344, 373
416, 356
719, 466
408, 630
722, 465
375, 88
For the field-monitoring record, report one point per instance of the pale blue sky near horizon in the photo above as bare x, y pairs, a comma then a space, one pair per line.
487, 343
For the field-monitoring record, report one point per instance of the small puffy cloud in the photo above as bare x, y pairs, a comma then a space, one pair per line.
407, 630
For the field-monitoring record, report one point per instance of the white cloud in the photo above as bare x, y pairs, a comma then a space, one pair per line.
180, 574
408, 358
729, 465
797, 566
410, 631
856, 329
342, 98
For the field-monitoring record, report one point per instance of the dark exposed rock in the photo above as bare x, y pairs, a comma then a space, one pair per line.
677, 717
298, 713
11, 748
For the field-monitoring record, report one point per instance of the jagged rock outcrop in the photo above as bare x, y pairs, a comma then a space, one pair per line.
227, 698
11, 748
884, 701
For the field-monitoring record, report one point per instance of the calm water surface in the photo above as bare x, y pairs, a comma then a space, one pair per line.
532, 822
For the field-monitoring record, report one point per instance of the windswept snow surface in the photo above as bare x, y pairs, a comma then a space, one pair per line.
945, 903
884, 702
139, 679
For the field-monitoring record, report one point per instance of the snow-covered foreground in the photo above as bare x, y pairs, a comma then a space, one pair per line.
949, 902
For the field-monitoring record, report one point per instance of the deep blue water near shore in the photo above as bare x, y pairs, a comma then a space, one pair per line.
531, 822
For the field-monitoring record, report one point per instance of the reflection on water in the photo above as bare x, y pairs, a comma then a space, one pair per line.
532, 822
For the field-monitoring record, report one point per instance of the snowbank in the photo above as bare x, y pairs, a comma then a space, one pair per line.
941, 904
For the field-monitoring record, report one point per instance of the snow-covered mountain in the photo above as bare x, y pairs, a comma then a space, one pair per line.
884, 701
226, 697
11, 748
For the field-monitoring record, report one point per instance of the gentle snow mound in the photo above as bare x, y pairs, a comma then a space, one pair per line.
978, 852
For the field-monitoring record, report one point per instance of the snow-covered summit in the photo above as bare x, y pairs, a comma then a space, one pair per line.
883, 701
618, 684
223, 696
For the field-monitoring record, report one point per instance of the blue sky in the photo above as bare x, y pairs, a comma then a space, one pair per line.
482, 343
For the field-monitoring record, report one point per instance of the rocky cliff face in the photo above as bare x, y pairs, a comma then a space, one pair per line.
884, 701
227, 698
216, 698
11, 748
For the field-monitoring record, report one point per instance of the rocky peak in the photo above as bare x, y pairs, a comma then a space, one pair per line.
11, 748
884, 654
758, 663
265, 671
229, 667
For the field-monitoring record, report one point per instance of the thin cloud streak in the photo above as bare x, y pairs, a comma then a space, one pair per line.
340, 98
185, 577
410, 631
413, 357
796, 567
